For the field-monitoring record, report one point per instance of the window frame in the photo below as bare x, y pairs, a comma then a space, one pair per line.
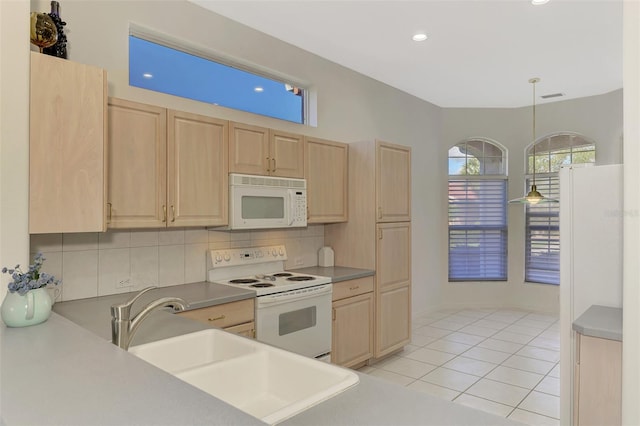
479, 258
309, 95
533, 273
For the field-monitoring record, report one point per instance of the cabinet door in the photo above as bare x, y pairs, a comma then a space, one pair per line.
287, 154
67, 139
197, 170
326, 172
393, 182
137, 165
248, 149
393, 287
352, 332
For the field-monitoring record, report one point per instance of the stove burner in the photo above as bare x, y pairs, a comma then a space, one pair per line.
282, 274
300, 278
261, 285
243, 281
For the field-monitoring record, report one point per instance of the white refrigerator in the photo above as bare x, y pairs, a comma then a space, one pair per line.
591, 216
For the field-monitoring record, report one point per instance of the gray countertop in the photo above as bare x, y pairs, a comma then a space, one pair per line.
78, 377
337, 273
600, 321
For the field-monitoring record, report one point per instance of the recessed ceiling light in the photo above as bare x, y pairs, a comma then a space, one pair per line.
539, 2
147, 75
419, 37
258, 89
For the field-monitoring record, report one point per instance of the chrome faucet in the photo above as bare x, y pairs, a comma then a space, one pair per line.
123, 326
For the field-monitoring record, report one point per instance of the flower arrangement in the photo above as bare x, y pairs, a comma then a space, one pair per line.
22, 282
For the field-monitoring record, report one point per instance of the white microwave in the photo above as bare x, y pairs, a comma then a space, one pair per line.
261, 202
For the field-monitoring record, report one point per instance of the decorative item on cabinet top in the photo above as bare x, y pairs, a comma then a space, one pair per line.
59, 49
43, 30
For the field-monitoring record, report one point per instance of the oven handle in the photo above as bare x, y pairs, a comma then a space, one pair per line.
283, 297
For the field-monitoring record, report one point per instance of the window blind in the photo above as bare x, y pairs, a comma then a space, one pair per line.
542, 248
477, 229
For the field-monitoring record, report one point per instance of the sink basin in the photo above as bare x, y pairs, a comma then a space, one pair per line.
193, 350
264, 381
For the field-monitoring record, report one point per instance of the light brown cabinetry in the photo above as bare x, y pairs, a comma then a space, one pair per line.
353, 322
326, 171
235, 317
167, 168
598, 381
260, 151
372, 240
67, 136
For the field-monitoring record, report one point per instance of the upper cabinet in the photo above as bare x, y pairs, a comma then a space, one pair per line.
68, 106
167, 168
393, 186
261, 151
197, 170
137, 152
326, 171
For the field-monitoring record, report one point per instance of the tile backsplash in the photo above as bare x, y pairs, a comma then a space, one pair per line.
98, 264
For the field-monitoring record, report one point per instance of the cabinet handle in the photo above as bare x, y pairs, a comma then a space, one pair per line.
217, 318
333, 314
268, 164
274, 165
379, 234
164, 213
379, 212
109, 212
173, 214
354, 287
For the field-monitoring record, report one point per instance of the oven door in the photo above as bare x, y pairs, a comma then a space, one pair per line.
298, 320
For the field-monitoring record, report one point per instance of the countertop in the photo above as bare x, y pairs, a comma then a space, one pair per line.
336, 273
78, 377
600, 321
94, 313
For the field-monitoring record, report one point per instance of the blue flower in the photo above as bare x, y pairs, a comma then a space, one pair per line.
22, 282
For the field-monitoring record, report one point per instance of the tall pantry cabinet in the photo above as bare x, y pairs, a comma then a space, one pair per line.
378, 235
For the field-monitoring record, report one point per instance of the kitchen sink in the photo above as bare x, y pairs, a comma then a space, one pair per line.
264, 381
193, 350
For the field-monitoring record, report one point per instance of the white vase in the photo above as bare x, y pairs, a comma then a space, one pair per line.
31, 308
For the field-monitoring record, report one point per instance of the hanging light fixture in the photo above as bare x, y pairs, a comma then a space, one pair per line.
533, 197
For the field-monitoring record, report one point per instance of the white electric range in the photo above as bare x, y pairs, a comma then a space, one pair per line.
293, 310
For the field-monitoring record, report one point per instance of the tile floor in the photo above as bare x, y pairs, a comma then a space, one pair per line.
498, 360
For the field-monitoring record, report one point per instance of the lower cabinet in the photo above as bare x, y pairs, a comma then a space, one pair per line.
235, 317
598, 381
353, 322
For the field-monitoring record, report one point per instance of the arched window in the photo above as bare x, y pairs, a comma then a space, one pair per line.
542, 243
477, 211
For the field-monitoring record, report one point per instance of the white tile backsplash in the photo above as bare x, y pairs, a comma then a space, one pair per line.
79, 274
114, 265
92, 264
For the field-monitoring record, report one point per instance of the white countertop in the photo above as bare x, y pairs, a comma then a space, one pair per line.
58, 373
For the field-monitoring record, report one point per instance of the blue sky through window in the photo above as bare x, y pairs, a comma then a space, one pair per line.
163, 69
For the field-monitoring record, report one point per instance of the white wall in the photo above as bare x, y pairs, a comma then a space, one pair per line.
14, 135
596, 117
631, 278
350, 107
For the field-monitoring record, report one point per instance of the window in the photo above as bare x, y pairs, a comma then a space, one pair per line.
178, 72
542, 243
477, 212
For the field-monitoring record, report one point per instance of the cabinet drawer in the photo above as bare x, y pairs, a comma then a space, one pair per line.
225, 315
248, 329
352, 287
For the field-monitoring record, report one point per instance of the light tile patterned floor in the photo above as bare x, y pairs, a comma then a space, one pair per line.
498, 360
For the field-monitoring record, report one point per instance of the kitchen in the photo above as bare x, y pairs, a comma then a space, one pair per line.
367, 120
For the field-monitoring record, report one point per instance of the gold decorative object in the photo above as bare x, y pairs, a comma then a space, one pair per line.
43, 30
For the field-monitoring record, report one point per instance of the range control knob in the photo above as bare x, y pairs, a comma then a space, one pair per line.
227, 257
281, 251
218, 258
274, 252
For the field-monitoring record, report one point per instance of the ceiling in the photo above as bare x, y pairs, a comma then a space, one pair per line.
479, 53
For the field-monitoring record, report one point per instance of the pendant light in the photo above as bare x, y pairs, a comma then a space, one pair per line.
533, 197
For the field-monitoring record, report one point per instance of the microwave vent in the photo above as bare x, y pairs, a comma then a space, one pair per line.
253, 180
